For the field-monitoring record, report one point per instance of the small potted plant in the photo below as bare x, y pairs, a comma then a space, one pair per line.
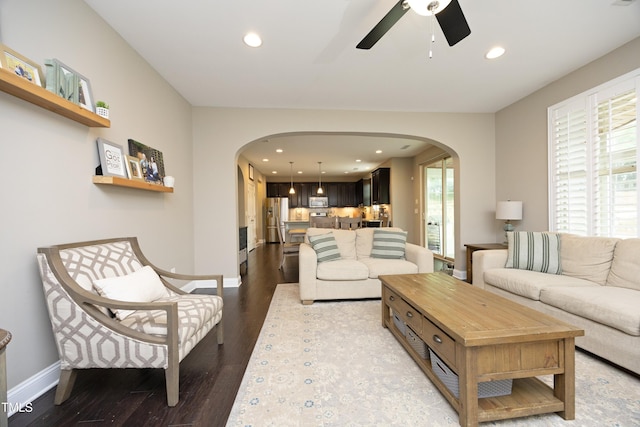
102, 109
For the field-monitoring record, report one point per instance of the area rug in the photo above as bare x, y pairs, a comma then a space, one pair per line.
333, 364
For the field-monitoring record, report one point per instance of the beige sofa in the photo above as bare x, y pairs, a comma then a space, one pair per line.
598, 290
355, 274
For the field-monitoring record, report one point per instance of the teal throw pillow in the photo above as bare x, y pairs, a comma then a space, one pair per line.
389, 244
535, 251
325, 246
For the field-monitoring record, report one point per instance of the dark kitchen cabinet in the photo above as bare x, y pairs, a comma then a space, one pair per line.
347, 194
301, 198
277, 189
331, 191
380, 186
363, 192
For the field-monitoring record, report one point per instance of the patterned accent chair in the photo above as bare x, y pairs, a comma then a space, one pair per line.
156, 334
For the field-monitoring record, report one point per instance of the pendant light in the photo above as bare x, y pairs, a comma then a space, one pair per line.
291, 189
320, 190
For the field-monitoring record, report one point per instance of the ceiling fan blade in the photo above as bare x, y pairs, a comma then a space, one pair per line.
383, 26
453, 23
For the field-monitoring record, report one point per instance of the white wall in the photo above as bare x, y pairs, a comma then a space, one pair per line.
47, 162
521, 135
219, 133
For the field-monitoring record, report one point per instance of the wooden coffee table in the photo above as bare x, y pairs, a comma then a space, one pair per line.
484, 337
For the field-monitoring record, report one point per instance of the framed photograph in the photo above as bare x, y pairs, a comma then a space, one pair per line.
85, 96
111, 158
250, 171
151, 161
70, 85
23, 67
133, 168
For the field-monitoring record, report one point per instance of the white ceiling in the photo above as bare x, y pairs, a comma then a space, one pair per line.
309, 60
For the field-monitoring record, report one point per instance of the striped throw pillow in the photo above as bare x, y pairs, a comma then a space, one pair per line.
325, 246
535, 251
389, 244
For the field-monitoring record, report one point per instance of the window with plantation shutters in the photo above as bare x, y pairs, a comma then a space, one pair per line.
593, 154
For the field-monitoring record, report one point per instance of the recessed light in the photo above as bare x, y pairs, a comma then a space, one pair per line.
495, 52
279, 150
274, 172
265, 160
300, 172
358, 160
378, 151
252, 40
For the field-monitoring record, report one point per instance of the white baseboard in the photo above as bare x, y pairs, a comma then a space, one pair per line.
30, 389
460, 274
227, 282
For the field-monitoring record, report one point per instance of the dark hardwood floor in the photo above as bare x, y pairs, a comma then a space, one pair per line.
209, 376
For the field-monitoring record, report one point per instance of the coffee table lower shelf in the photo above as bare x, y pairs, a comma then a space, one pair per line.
529, 396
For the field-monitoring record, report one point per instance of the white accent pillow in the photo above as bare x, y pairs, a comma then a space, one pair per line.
143, 285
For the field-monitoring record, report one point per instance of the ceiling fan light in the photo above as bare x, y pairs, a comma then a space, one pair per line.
421, 7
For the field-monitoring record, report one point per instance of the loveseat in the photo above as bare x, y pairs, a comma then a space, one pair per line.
590, 282
345, 264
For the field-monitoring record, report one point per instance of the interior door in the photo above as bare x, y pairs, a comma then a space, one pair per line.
251, 216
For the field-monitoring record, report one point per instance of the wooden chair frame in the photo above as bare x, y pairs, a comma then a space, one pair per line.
90, 302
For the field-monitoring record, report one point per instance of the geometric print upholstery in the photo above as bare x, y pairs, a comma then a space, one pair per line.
197, 315
84, 343
88, 263
86, 333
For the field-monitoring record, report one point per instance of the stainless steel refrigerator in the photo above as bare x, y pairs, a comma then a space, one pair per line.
277, 212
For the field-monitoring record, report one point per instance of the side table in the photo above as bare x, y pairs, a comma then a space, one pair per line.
5, 337
471, 248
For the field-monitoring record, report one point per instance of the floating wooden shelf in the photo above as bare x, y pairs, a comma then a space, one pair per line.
30, 92
130, 183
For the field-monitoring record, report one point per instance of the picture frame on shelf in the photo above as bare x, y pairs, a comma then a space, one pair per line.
85, 95
69, 84
134, 171
250, 171
22, 66
112, 158
151, 161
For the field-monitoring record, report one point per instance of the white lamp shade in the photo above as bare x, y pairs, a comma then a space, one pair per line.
509, 210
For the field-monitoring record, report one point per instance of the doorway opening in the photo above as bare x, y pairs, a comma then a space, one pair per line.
439, 211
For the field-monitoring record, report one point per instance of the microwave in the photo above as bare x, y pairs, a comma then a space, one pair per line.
318, 202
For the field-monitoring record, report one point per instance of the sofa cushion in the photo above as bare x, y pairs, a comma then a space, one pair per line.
535, 251
194, 311
143, 285
345, 239
342, 269
388, 244
364, 240
377, 266
528, 283
614, 307
325, 246
625, 268
587, 257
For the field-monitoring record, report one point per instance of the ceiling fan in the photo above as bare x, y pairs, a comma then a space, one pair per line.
447, 12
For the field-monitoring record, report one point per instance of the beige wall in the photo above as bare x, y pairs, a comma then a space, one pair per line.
521, 135
47, 162
220, 133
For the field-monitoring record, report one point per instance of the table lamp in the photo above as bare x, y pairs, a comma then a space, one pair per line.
509, 211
